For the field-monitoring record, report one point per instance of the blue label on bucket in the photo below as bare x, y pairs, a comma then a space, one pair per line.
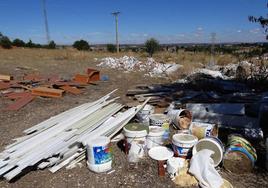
182, 151
102, 154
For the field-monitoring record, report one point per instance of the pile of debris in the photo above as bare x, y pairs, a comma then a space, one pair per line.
60, 140
32, 85
151, 67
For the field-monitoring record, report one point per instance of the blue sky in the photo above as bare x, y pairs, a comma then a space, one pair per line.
170, 21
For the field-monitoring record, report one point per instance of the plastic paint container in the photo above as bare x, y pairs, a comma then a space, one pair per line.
181, 118
143, 114
155, 136
240, 156
135, 134
160, 120
182, 144
211, 143
202, 130
99, 154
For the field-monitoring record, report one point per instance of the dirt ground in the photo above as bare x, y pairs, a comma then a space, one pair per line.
66, 63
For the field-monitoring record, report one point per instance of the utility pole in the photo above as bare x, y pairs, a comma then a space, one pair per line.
46, 22
212, 59
116, 29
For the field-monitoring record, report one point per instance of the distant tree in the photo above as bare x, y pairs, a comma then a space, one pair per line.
19, 43
30, 44
111, 48
151, 46
81, 45
262, 21
51, 45
5, 42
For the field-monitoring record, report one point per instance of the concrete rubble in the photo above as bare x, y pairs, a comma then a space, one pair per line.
129, 63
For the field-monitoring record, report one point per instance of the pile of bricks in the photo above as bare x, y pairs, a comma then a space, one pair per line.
33, 85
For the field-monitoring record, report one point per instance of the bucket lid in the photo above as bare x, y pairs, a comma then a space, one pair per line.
160, 153
135, 130
156, 131
184, 138
99, 141
211, 144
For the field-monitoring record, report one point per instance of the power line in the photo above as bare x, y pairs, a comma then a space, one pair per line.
116, 29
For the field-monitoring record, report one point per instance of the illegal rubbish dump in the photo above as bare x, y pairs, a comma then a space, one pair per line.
129, 63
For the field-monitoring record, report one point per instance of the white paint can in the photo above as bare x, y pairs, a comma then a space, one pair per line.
99, 154
183, 144
160, 120
181, 118
155, 136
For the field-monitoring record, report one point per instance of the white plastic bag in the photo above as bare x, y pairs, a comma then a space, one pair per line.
202, 167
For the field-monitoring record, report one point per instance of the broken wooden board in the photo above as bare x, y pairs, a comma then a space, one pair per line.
5, 77
21, 102
219, 108
4, 85
82, 78
94, 75
14, 95
34, 77
70, 89
47, 92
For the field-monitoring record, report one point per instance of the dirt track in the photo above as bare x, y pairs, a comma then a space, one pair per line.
12, 124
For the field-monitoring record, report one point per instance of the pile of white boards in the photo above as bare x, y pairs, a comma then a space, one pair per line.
59, 141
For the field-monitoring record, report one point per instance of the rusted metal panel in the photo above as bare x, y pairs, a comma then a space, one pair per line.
21, 102
47, 92
70, 89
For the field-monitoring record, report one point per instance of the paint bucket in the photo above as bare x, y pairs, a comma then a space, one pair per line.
99, 154
240, 156
155, 136
135, 134
202, 130
211, 143
181, 118
160, 120
173, 166
182, 144
143, 114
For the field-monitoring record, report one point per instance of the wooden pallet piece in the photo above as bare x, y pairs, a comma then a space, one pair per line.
70, 89
5, 77
21, 102
47, 92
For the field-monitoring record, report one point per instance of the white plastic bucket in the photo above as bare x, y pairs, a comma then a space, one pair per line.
181, 118
136, 140
99, 154
160, 120
202, 130
211, 143
183, 143
155, 136
143, 114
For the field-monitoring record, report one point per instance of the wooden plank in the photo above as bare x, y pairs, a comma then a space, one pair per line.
70, 89
14, 95
81, 78
21, 102
5, 77
94, 75
47, 92
4, 85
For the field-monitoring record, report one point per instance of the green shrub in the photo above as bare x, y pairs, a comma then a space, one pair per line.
5, 42
51, 45
81, 45
151, 46
18, 43
111, 48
